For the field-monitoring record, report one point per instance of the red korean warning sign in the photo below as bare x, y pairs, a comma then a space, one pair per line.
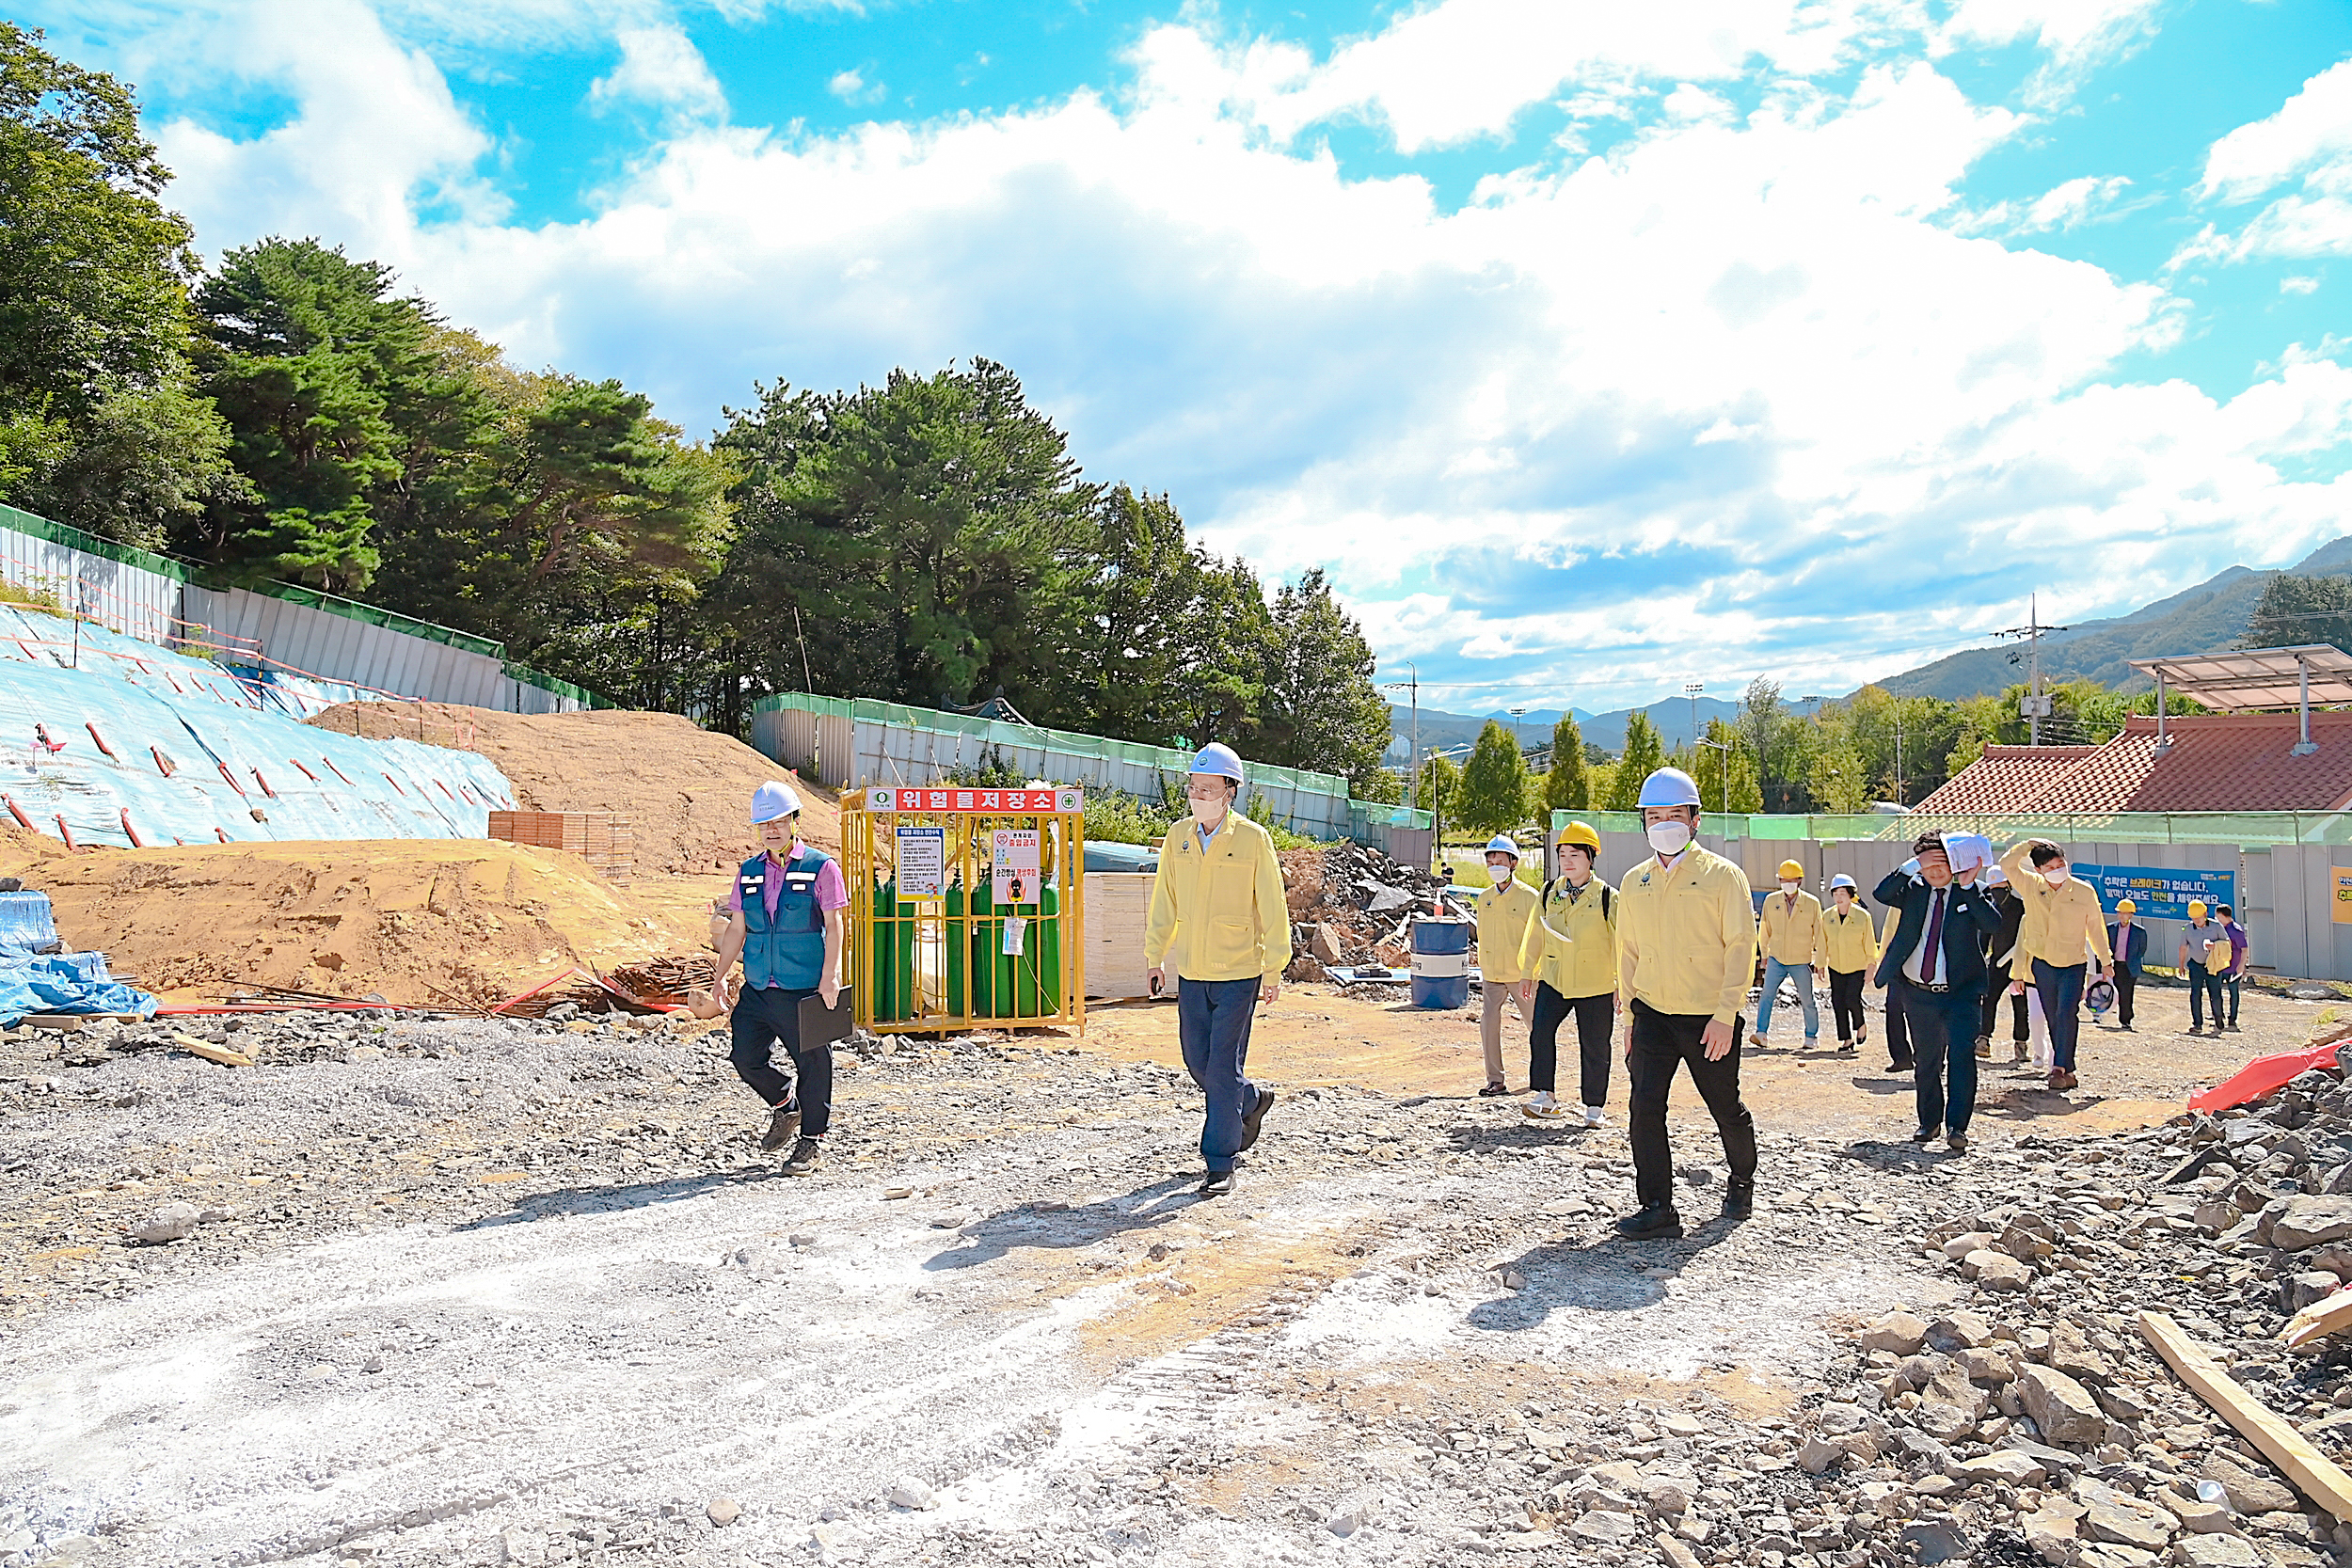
882, 798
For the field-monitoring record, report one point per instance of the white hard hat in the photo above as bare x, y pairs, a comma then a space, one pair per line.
1503, 843
1220, 759
772, 799
1996, 877
1841, 879
1668, 786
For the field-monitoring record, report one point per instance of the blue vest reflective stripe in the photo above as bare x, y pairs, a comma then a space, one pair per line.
789, 949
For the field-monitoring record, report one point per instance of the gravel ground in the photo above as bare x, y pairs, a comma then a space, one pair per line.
473, 1292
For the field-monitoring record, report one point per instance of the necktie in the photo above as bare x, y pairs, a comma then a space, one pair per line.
1934, 963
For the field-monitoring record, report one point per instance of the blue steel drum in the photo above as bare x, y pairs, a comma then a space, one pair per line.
1441, 962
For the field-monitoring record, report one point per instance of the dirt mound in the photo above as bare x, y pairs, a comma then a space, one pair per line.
685, 788
425, 921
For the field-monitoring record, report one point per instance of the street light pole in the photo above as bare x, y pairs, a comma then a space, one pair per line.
1412, 772
1691, 691
1515, 726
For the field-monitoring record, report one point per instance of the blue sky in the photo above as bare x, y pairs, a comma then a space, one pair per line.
1593, 348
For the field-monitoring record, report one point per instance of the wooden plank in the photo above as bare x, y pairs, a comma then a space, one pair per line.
2317, 1478
212, 1053
2326, 1316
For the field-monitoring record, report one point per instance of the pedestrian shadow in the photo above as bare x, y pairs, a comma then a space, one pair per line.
1903, 1155
1144, 1207
1602, 1274
568, 1202
1520, 1131
1882, 1084
2036, 1103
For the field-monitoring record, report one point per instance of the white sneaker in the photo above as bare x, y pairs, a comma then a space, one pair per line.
1541, 1106
1593, 1116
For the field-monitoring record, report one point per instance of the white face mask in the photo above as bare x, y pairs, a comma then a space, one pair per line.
1209, 813
2055, 878
1787, 887
1499, 875
1668, 837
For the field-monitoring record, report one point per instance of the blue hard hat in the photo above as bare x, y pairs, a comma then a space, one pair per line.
1220, 759
1503, 843
773, 800
1668, 786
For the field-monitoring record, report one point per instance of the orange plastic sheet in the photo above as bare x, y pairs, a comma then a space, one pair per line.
2262, 1075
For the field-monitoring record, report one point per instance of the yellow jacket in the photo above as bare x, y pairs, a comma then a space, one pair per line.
1686, 937
1219, 915
1572, 941
1848, 940
1503, 915
1792, 935
2060, 924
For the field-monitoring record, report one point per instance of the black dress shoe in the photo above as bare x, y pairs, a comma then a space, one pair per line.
1738, 1198
1925, 1134
1256, 1118
1653, 1222
1217, 1183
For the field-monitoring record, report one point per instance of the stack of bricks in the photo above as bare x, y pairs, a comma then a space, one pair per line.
604, 838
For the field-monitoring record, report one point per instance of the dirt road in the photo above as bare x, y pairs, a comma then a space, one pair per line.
478, 1292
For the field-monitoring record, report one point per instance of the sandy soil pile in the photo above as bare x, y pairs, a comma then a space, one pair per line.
686, 789
425, 920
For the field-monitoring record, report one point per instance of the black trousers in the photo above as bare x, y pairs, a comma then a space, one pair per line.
2126, 984
1945, 1071
1897, 1032
2021, 1019
1662, 1043
1594, 1016
769, 1015
1845, 1003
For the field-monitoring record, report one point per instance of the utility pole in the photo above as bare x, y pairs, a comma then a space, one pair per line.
1899, 751
1412, 775
1691, 691
2034, 706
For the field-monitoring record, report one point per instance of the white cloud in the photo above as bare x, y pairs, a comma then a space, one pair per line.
852, 87
2310, 136
662, 68
1742, 374
2298, 285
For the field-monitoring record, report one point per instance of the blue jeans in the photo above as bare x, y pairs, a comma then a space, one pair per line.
2061, 992
1213, 1020
1943, 1045
1775, 972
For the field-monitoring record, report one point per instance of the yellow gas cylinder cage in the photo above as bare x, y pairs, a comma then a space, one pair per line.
967, 907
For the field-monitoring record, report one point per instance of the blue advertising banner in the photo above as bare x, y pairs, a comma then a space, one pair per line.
2159, 892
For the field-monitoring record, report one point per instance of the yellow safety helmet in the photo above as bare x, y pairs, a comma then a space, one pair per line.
1580, 834
2124, 905
2196, 908
1793, 870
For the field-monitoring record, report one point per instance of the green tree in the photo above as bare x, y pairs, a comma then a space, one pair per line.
1386, 788
1837, 779
1494, 783
1568, 786
2298, 609
1644, 754
1726, 749
1321, 709
97, 424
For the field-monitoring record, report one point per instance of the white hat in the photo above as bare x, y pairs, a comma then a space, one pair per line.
772, 799
1220, 759
1668, 786
1503, 843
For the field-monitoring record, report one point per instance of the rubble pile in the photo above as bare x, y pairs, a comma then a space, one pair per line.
2032, 1415
1351, 904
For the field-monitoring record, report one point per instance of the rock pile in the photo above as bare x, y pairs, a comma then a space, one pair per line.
1351, 904
2034, 1417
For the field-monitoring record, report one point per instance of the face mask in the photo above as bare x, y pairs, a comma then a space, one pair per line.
1668, 838
1787, 887
1499, 875
2056, 879
1208, 813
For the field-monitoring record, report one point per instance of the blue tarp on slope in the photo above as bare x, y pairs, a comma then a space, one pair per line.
169, 754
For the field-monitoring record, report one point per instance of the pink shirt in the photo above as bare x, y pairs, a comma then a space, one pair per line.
832, 893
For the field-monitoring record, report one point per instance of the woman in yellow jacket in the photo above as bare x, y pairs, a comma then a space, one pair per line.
1219, 915
1570, 960
1849, 945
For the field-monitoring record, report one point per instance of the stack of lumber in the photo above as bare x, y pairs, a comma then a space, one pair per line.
1118, 905
603, 838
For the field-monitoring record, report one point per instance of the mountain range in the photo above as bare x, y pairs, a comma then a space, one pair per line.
2198, 620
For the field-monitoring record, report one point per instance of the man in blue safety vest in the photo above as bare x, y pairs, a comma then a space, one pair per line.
1220, 918
786, 923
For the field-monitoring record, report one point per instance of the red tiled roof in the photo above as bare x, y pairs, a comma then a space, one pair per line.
2004, 778
2216, 762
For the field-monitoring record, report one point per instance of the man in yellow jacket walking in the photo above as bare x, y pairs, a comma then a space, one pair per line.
1686, 946
2063, 928
1791, 936
1220, 918
1504, 911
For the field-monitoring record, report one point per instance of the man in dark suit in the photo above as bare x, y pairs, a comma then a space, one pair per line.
1934, 960
2128, 941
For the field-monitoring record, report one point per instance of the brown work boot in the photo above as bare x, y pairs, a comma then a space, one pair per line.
783, 1122
806, 1156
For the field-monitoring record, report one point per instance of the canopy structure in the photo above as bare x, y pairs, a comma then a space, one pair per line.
2254, 679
